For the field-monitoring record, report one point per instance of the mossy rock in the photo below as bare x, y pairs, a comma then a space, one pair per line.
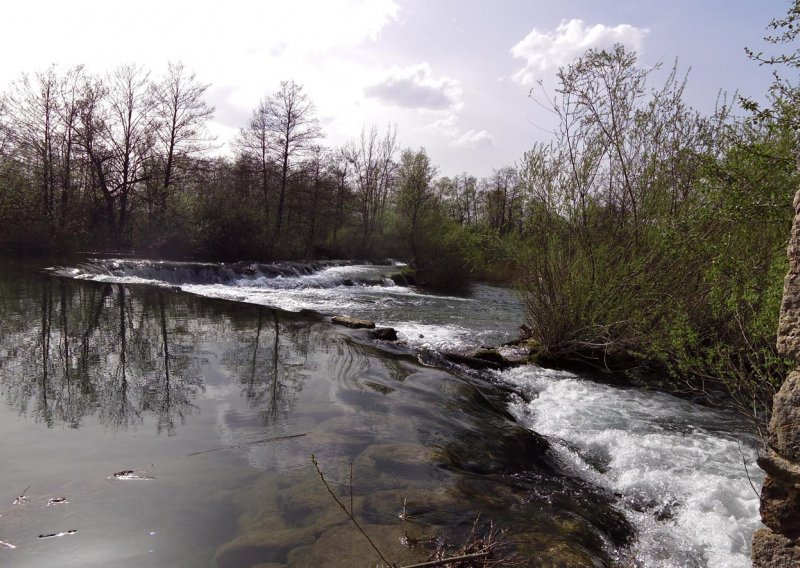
491, 355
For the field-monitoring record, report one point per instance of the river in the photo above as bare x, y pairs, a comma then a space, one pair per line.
174, 407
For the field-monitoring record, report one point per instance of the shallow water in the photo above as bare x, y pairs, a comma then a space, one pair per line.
219, 406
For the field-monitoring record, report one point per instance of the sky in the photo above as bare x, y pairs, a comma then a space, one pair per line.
454, 76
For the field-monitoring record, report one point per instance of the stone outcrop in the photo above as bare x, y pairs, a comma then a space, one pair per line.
778, 544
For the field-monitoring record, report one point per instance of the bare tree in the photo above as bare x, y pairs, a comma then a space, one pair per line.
292, 128
181, 114
130, 133
32, 108
39, 131
371, 161
254, 143
69, 107
97, 154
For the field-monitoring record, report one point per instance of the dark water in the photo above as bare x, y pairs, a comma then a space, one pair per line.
216, 407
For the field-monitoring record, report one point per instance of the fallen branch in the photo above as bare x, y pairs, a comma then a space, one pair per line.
747, 472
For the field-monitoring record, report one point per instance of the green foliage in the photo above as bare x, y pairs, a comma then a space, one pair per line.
660, 251
440, 260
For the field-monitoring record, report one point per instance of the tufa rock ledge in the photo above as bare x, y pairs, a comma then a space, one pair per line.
778, 544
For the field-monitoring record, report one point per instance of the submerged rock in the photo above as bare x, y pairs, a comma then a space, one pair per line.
355, 323
256, 547
338, 547
491, 355
417, 454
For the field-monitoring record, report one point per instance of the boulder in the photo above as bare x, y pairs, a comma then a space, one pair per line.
780, 506
385, 334
778, 544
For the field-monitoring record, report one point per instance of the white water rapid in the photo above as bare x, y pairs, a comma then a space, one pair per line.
676, 468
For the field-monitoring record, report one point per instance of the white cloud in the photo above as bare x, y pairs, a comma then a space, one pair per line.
415, 87
244, 48
447, 127
474, 139
226, 41
545, 51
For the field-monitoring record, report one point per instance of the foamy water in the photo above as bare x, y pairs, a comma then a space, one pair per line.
675, 467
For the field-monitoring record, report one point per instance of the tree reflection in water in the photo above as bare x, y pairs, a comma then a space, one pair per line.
94, 350
272, 363
72, 350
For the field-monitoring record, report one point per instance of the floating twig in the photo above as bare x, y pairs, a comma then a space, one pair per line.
129, 474
245, 444
55, 535
21, 498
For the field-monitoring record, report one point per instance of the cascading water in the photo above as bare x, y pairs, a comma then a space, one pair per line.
675, 467
489, 316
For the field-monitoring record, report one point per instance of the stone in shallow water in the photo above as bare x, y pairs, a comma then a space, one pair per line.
343, 546
355, 323
393, 466
385, 334
264, 546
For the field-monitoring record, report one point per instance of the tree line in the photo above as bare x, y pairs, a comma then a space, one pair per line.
645, 235
125, 161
